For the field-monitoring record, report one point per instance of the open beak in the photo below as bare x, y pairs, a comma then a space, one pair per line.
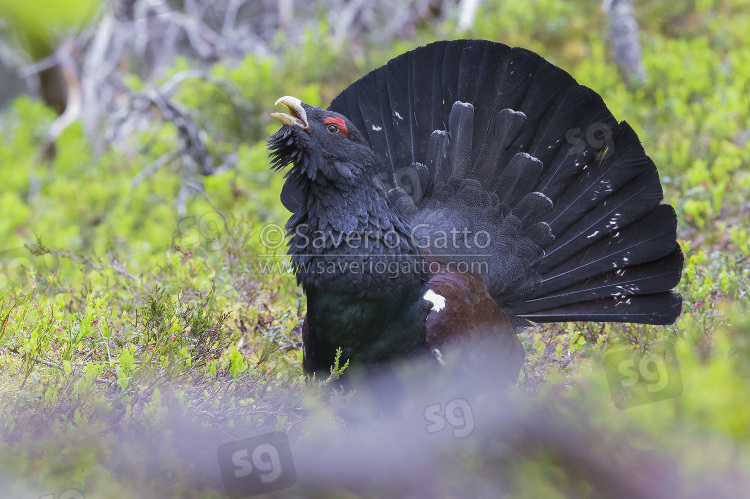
297, 115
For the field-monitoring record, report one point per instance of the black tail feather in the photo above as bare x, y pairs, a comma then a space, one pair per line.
571, 108
461, 125
650, 238
488, 98
437, 154
517, 179
634, 200
494, 155
647, 278
372, 121
657, 309
532, 208
400, 95
578, 139
386, 120
622, 162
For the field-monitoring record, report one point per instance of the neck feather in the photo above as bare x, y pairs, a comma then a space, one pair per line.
346, 238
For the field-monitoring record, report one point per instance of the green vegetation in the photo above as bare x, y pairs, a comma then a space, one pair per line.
118, 309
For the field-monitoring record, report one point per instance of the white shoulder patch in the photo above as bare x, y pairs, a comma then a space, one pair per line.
438, 302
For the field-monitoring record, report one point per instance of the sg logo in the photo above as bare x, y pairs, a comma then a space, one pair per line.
637, 379
256, 465
457, 413
597, 135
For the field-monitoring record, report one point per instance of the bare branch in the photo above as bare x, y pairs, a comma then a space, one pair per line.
154, 167
216, 209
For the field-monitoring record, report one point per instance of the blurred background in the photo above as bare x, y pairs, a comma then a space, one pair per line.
138, 329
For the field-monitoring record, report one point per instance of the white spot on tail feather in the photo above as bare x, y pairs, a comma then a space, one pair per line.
542, 195
529, 156
438, 302
398, 115
464, 104
377, 128
516, 113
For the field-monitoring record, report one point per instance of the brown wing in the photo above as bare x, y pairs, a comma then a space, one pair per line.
465, 322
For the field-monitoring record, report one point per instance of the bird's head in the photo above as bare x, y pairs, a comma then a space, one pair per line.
319, 142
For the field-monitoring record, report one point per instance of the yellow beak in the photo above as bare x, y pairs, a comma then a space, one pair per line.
297, 115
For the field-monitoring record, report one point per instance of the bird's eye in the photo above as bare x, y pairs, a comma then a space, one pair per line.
336, 125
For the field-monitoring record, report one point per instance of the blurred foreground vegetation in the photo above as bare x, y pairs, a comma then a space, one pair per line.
131, 291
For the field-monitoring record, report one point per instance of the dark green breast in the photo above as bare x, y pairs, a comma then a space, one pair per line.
369, 330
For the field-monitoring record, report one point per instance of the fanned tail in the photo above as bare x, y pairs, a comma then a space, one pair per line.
481, 137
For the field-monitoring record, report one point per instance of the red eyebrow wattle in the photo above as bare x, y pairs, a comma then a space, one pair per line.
332, 120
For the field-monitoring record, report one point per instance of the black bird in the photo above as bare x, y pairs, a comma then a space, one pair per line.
459, 193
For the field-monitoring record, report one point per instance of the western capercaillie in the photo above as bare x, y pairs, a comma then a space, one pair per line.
460, 192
